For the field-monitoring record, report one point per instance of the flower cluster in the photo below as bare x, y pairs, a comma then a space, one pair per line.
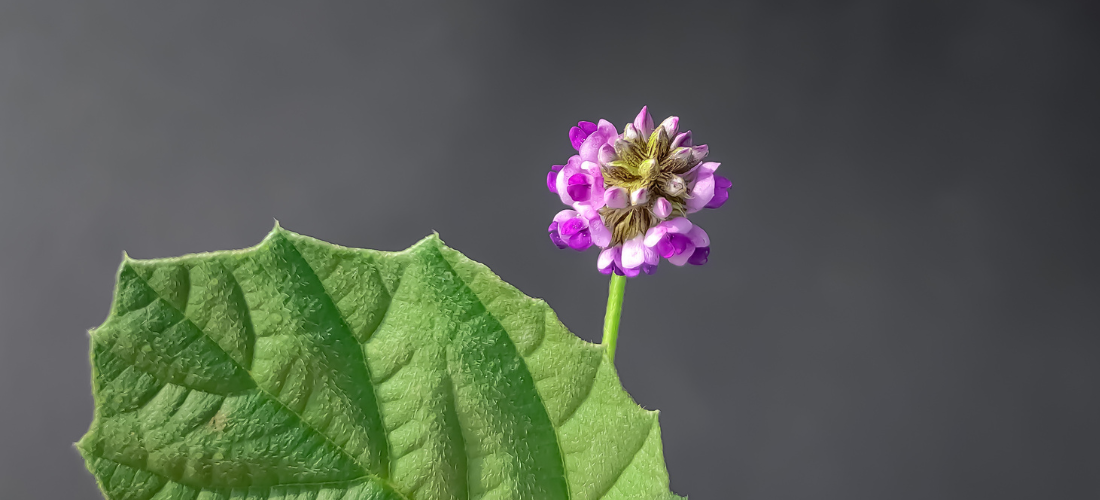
631, 193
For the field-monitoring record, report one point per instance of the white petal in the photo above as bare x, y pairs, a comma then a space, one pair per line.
633, 253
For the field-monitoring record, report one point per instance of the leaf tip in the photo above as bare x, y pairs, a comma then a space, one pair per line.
276, 230
429, 241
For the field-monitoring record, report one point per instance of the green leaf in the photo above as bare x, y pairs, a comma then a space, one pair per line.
300, 369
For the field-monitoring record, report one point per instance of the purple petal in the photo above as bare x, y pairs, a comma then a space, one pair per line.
578, 134
719, 199
699, 256
721, 192
682, 140
571, 168
578, 180
607, 257
572, 226
708, 167
606, 154
680, 154
678, 225
649, 268
654, 235
552, 181
701, 193
555, 237
595, 196
580, 241
577, 137
604, 134
682, 257
601, 235
580, 192
664, 248
606, 129
651, 256
698, 237
622, 270
644, 122
578, 186
680, 243
564, 215
585, 210
699, 152
701, 170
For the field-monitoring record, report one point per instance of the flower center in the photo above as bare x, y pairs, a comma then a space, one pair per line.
655, 165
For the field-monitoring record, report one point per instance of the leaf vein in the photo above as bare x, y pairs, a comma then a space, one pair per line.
389, 307
633, 457
275, 400
587, 392
452, 405
370, 386
522, 360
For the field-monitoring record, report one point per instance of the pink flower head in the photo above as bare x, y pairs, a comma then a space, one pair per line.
630, 194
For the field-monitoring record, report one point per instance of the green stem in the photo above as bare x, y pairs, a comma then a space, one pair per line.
614, 312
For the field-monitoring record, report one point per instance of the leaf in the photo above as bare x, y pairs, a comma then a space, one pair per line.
300, 369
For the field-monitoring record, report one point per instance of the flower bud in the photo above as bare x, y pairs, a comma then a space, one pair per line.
639, 196
680, 155
644, 122
631, 133
681, 140
671, 125
662, 208
675, 186
616, 197
606, 154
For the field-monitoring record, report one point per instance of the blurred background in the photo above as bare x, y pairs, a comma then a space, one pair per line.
903, 297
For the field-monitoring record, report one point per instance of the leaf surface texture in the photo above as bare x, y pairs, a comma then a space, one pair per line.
302, 370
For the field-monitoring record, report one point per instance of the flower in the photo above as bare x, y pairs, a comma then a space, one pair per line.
630, 194
579, 229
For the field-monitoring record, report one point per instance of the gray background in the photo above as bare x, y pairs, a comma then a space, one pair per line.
902, 300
